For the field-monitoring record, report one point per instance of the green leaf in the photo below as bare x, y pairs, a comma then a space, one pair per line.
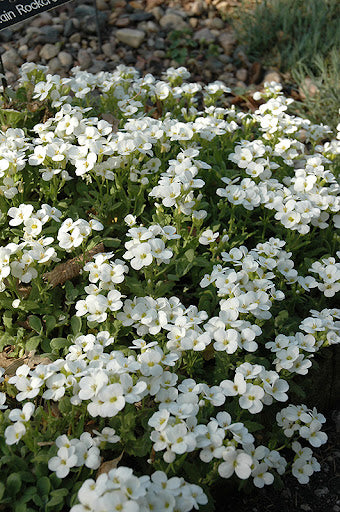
50, 323
33, 343
57, 497
253, 426
35, 323
20, 507
112, 242
13, 484
59, 343
76, 324
43, 485
190, 255
7, 319
2, 490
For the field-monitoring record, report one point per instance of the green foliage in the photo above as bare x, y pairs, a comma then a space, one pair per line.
283, 33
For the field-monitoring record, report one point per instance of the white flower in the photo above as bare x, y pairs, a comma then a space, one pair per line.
65, 459
14, 433
235, 461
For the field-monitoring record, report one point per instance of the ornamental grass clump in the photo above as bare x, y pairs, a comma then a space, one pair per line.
168, 272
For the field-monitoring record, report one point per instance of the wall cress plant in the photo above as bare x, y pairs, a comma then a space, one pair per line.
168, 272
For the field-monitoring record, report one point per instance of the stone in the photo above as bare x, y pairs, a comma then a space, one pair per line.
204, 34
227, 40
6, 35
32, 55
157, 12
97, 66
69, 28
308, 88
48, 51
11, 60
130, 36
54, 65
66, 59
88, 20
45, 18
75, 38
159, 44
173, 21
140, 15
108, 49
102, 5
242, 74
48, 34
216, 23
193, 22
197, 8
123, 21
84, 59
150, 4
272, 76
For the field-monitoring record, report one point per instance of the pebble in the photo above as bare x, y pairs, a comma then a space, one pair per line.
54, 65
204, 34
130, 36
84, 59
197, 8
11, 60
66, 59
272, 76
48, 51
108, 49
242, 74
309, 87
173, 21
48, 34
227, 40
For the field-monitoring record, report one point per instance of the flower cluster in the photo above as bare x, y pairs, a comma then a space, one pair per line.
170, 317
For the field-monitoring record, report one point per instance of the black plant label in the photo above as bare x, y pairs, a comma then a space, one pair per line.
14, 11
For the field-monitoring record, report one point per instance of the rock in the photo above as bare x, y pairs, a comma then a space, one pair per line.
11, 60
151, 26
204, 34
75, 38
140, 15
130, 36
197, 8
6, 35
48, 34
45, 18
54, 65
48, 51
308, 88
97, 66
159, 44
242, 74
216, 23
123, 21
150, 4
32, 55
108, 49
160, 54
66, 59
173, 21
157, 13
227, 40
272, 76
84, 59
102, 5
69, 28
87, 17
193, 22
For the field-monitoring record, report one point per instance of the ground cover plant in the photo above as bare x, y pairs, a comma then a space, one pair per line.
302, 41
168, 267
